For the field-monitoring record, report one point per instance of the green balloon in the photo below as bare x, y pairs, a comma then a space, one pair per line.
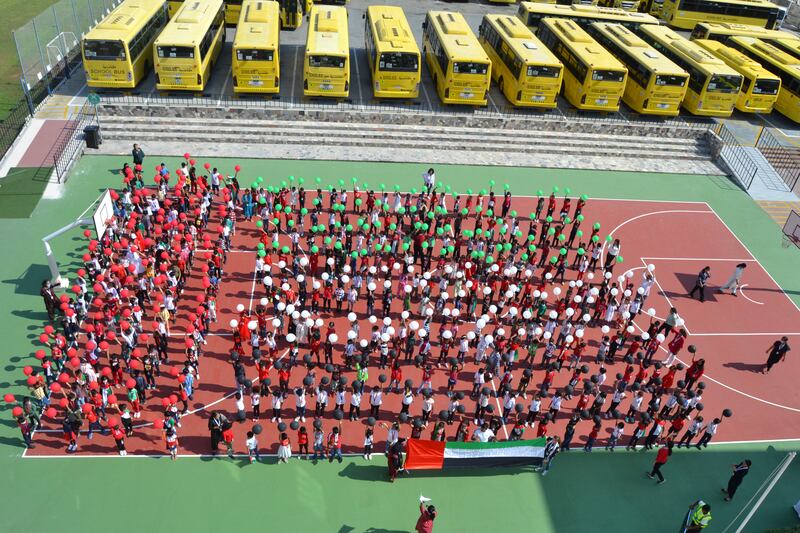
549, 219
413, 209
490, 259
513, 214
619, 259
275, 221
392, 226
359, 201
424, 244
483, 192
291, 223
406, 246
259, 224
318, 179
377, 224
443, 251
314, 249
285, 249
413, 190
275, 245
562, 251
524, 257
478, 209
506, 186
503, 231
609, 238
491, 183
553, 260
262, 200
555, 188
301, 180
327, 240
354, 180
579, 218
581, 251
401, 210
425, 226
596, 225
489, 212
584, 197
348, 228
378, 203
262, 253
431, 216
567, 190
304, 211
567, 220
464, 211
551, 231
579, 233
354, 255
364, 252
316, 201
506, 246
479, 231
532, 216
595, 238
338, 245
562, 238
341, 183
291, 178
540, 192
469, 191
378, 246
439, 231
261, 246
382, 186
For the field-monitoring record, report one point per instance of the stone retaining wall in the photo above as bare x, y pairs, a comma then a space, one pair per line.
430, 119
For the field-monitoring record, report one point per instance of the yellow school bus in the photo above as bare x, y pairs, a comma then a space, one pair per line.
532, 13
187, 49
292, 13
460, 68
174, 6
759, 87
393, 54
789, 45
686, 14
326, 69
118, 52
786, 67
720, 31
656, 85
713, 85
255, 65
527, 73
625, 5
594, 79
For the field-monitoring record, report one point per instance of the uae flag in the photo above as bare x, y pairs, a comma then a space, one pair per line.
434, 455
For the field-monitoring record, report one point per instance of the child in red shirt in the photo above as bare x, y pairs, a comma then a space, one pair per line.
302, 442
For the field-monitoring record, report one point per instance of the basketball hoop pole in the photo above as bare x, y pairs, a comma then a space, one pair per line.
55, 275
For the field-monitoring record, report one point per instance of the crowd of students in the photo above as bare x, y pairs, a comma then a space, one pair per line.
432, 285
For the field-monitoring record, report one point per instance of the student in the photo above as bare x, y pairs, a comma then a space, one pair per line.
227, 438
368, 441
661, 459
171, 441
319, 446
255, 402
302, 442
616, 433
335, 444
252, 447
284, 449
119, 438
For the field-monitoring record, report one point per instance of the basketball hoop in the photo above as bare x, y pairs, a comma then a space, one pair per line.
791, 230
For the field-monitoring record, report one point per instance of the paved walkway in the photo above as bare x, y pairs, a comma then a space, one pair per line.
779, 210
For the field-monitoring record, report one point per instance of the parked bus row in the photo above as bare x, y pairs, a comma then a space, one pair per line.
597, 62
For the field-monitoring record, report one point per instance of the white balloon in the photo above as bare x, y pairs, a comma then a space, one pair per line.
363, 343
234, 323
537, 331
423, 283
390, 331
410, 268
537, 293
469, 284
318, 322
305, 314
300, 278
309, 322
645, 336
627, 293
281, 306
413, 325
445, 295
557, 291
455, 312
239, 308
267, 281
330, 261
579, 283
333, 338
579, 333
422, 333
346, 269
429, 312
626, 315
501, 332
345, 278
495, 268
614, 291
404, 314
509, 294
351, 317
521, 332
578, 299
448, 269
608, 275
384, 268
290, 309
570, 311
590, 300
396, 266
303, 261
325, 276
387, 284
493, 309
291, 337
489, 339
571, 284
467, 265
544, 296
506, 272
371, 286
552, 314
263, 301
630, 329
276, 322
316, 284
594, 291
372, 319
547, 335
640, 290
281, 264
426, 275
387, 321
513, 311
651, 311
487, 291
590, 275
470, 335
285, 287
629, 274
528, 272
586, 317
296, 315
513, 270
351, 334
462, 293
621, 278
680, 322
407, 289
480, 324
447, 334
605, 329
527, 314
372, 270
385, 337
660, 337
569, 339
446, 311
651, 267
548, 276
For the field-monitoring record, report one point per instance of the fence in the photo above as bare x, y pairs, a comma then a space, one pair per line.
225, 101
735, 157
48, 46
785, 160
12, 125
71, 141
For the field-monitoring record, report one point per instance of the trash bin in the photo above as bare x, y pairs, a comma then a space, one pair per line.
92, 136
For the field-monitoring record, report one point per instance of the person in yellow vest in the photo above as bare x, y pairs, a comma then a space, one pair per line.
698, 518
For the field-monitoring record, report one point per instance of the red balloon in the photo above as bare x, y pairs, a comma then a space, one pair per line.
63, 402
51, 412
91, 345
63, 378
43, 338
106, 371
158, 423
173, 398
93, 385
187, 156
49, 329
165, 402
206, 165
40, 354
192, 162
181, 378
87, 233
86, 408
17, 411
113, 422
75, 362
32, 380
9, 398
189, 342
174, 371
130, 383
136, 365
28, 370
112, 399
55, 387
237, 168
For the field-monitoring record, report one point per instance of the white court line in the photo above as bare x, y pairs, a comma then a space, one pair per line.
708, 377
699, 259
660, 288
499, 408
741, 291
754, 257
252, 290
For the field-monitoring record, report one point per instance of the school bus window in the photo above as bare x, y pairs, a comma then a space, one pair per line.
608, 75
724, 84
470, 68
185, 52
326, 61
542, 71
674, 81
397, 61
766, 87
104, 50
254, 55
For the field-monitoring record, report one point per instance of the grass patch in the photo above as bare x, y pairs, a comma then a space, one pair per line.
21, 191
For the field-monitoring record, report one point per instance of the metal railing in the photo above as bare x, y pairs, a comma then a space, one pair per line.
742, 168
71, 141
784, 159
11, 126
319, 105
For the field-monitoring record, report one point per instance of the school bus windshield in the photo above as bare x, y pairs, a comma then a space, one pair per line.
470, 68
398, 61
326, 61
724, 84
104, 50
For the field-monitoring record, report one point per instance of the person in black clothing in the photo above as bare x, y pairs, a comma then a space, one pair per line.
700, 284
50, 299
739, 471
138, 155
215, 426
777, 352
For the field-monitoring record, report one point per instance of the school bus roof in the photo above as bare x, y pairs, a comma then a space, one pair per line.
183, 30
778, 57
582, 45
125, 20
789, 45
327, 33
699, 56
259, 25
735, 59
522, 40
391, 29
580, 10
648, 56
456, 36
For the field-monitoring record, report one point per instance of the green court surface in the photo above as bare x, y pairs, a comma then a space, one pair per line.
21, 190
584, 492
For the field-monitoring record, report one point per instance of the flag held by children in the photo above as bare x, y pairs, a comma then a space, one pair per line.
434, 455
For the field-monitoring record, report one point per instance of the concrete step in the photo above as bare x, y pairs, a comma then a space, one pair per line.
365, 128
564, 148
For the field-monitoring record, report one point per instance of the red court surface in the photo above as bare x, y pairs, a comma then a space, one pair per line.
679, 238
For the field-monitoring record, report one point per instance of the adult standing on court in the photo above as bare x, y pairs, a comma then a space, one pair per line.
670, 323
215, 424
426, 517
50, 299
700, 283
138, 155
739, 471
661, 459
699, 517
733, 281
395, 460
777, 353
